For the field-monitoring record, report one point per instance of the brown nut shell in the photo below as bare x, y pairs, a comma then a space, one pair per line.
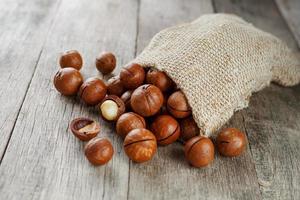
146, 100
115, 86
67, 81
111, 108
188, 128
159, 79
231, 142
126, 96
132, 76
178, 106
163, 110
199, 151
166, 129
140, 145
99, 151
71, 59
106, 62
92, 91
129, 121
84, 128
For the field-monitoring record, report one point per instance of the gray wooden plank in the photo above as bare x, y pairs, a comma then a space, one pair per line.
23, 29
272, 120
263, 14
43, 159
168, 176
290, 10
154, 16
272, 123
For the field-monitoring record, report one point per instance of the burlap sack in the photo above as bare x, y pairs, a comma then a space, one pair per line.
218, 61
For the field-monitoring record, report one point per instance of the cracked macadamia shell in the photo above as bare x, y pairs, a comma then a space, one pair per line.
178, 106
129, 121
115, 86
71, 59
92, 91
106, 62
199, 151
111, 108
67, 81
147, 100
84, 128
126, 96
132, 76
140, 145
99, 151
166, 129
231, 142
159, 79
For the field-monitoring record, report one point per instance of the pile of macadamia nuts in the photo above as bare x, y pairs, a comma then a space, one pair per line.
147, 109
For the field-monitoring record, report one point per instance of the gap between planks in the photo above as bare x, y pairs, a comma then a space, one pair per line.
15, 121
112, 16
272, 137
31, 40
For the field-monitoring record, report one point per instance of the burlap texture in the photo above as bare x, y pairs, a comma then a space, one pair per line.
218, 61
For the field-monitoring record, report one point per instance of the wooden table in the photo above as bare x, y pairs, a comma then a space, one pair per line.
41, 159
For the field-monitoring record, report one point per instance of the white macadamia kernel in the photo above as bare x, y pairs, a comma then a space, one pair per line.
109, 110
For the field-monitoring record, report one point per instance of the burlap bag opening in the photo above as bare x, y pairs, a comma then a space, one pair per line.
218, 61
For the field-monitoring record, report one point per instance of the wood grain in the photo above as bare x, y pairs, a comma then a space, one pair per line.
272, 119
272, 124
168, 176
43, 159
290, 10
23, 28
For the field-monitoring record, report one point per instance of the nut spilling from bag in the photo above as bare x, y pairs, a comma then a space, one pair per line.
150, 112
184, 86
